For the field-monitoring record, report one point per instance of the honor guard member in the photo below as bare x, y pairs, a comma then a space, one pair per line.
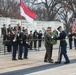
48, 46
9, 41
14, 44
63, 46
25, 43
20, 44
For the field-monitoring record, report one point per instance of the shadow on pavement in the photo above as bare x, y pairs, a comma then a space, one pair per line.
37, 68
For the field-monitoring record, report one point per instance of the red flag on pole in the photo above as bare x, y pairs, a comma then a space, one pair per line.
27, 13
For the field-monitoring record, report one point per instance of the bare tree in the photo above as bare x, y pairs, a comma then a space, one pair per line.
70, 4
52, 8
66, 16
9, 8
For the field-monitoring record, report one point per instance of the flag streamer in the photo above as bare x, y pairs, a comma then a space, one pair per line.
27, 13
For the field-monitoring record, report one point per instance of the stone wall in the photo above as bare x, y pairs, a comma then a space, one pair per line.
39, 25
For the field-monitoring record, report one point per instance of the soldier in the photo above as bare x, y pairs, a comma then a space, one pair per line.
39, 38
14, 44
31, 39
9, 41
48, 46
25, 43
35, 37
20, 44
9, 28
63, 46
23, 29
18, 27
4, 31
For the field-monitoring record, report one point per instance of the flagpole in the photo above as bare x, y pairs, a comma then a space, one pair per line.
21, 19
21, 22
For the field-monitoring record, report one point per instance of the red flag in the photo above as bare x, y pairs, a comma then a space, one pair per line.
74, 26
27, 13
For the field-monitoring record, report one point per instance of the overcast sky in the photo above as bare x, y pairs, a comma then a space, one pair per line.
38, 0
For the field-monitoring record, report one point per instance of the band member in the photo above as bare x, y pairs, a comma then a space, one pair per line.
31, 39
14, 44
25, 43
70, 40
48, 46
20, 44
63, 46
9, 41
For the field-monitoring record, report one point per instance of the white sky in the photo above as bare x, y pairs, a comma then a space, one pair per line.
38, 0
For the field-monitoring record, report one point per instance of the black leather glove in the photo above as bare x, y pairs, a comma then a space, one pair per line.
55, 38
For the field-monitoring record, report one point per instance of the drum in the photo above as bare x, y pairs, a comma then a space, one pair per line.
52, 37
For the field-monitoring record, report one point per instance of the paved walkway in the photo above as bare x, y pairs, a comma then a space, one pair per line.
35, 65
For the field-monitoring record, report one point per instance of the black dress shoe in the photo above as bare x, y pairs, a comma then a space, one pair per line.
50, 61
14, 59
25, 58
45, 61
67, 62
57, 62
20, 58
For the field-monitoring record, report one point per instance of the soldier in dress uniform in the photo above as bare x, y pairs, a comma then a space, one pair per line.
20, 44
48, 46
26, 43
63, 46
14, 44
9, 41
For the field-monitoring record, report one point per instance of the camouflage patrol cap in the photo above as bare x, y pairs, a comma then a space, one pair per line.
48, 29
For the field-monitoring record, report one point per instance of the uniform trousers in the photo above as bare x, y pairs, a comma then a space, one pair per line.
70, 44
35, 43
26, 51
31, 42
48, 54
64, 53
20, 51
14, 51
